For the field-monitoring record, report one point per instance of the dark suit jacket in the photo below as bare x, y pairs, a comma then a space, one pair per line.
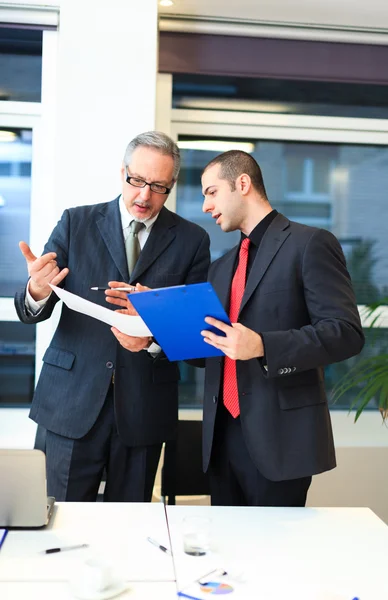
79, 362
299, 296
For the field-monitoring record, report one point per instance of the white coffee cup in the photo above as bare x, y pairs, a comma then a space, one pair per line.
93, 576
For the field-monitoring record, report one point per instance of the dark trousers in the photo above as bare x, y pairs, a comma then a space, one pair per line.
234, 478
75, 467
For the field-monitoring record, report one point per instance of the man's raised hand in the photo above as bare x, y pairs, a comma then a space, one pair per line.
42, 271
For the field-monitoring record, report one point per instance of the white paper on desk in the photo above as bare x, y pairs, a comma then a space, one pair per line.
125, 323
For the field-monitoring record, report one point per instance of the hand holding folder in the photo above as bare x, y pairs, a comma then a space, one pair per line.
176, 317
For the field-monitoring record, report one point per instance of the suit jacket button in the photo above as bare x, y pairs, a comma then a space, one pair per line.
280, 371
293, 369
109, 365
215, 399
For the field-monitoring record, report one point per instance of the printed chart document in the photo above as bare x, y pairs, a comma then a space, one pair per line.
125, 323
215, 585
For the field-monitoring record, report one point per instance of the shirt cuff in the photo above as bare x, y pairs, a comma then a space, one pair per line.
154, 348
34, 306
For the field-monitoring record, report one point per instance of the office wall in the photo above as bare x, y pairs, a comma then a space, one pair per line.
360, 479
107, 67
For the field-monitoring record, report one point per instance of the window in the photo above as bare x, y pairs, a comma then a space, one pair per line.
17, 363
286, 96
20, 95
308, 190
20, 64
15, 191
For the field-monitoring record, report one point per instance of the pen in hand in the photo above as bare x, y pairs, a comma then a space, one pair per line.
64, 548
162, 548
118, 289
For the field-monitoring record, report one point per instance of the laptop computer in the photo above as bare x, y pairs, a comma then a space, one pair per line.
23, 496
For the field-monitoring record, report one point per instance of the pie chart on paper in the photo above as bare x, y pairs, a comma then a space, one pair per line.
216, 589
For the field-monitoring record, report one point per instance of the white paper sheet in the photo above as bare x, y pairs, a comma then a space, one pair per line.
125, 323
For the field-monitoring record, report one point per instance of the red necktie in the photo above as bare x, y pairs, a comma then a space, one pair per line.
230, 389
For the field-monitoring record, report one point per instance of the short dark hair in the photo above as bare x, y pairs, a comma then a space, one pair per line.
236, 162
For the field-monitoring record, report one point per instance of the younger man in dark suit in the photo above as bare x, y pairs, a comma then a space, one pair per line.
102, 406
266, 426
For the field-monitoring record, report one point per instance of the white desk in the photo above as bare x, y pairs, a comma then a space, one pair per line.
290, 553
116, 532
284, 553
61, 591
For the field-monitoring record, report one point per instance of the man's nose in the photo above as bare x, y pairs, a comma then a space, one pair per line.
206, 206
145, 192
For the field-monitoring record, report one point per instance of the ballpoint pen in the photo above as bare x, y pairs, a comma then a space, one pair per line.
64, 548
219, 573
162, 548
118, 289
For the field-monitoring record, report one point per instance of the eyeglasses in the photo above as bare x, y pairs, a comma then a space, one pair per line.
155, 187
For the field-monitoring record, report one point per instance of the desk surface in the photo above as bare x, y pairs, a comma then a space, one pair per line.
61, 591
274, 553
116, 534
293, 553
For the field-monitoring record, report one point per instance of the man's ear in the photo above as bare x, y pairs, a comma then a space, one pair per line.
244, 183
123, 172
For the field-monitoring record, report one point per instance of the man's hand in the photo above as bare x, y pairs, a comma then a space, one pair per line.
131, 343
240, 342
42, 271
120, 298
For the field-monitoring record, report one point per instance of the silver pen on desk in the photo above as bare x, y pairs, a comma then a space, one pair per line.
162, 548
118, 289
64, 548
218, 573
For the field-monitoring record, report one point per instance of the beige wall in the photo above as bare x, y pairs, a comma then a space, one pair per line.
360, 479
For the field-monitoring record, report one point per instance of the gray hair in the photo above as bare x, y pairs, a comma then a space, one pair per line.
160, 142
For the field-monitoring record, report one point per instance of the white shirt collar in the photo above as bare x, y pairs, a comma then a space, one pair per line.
127, 218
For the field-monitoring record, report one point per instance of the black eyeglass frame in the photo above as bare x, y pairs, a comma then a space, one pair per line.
167, 190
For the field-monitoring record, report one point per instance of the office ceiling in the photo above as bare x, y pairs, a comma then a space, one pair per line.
371, 14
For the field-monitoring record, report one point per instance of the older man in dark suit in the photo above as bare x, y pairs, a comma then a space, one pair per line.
104, 407
267, 426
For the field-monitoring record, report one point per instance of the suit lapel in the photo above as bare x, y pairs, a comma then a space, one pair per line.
273, 239
110, 227
161, 236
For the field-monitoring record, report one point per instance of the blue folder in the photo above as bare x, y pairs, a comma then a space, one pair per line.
176, 317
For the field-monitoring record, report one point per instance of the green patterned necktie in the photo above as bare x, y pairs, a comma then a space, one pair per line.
132, 245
